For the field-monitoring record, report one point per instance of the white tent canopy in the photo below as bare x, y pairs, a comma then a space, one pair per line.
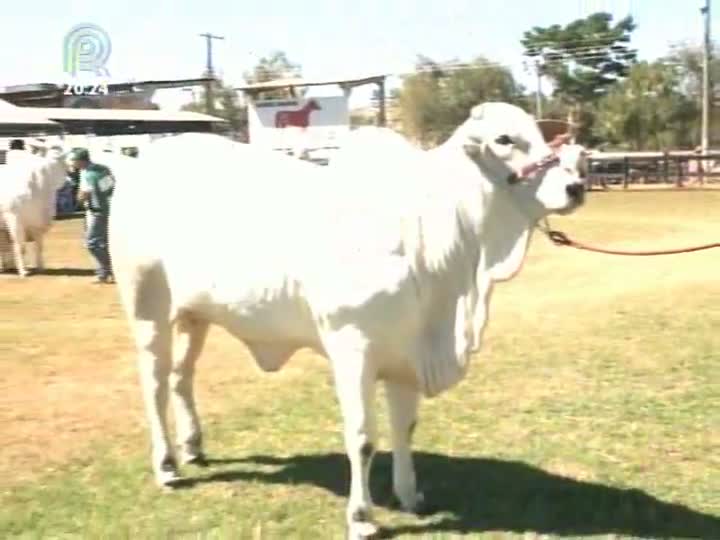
19, 121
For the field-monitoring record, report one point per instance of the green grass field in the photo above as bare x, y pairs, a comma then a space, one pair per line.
592, 411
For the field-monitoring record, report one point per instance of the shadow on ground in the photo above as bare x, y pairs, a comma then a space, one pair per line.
66, 272
475, 495
68, 216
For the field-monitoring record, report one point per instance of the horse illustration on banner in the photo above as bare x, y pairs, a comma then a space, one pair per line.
297, 118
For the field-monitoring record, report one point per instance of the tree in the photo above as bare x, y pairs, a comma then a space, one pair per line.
583, 59
438, 97
648, 110
689, 61
272, 67
228, 106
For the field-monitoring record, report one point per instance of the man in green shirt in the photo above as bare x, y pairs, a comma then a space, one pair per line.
95, 192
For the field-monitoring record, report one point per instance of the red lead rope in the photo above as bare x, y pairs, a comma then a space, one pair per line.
561, 239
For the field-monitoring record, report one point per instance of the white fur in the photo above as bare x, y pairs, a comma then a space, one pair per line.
28, 187
384, 261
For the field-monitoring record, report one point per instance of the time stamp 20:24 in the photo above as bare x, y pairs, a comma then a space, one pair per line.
86, 89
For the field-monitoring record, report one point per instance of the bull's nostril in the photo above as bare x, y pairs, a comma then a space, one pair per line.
575, 190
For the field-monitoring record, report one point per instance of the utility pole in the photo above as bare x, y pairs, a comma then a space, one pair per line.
538, 91
209, 101
705, 134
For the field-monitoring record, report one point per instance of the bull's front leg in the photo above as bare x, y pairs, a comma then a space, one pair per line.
355, 386
39, 253
190, 338
403, 403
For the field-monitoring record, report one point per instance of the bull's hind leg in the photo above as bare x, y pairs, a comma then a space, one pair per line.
154, 362
189, 340
6, 256
403, 407
17, 241
355, 378
146, 299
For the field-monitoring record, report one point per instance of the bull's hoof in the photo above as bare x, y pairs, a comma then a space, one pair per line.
171, 484
198, 460
363, 530
168, 476
417, 504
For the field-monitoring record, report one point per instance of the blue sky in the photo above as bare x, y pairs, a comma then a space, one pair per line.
158, 39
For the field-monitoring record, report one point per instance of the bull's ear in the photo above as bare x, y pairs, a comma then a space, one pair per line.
477, 112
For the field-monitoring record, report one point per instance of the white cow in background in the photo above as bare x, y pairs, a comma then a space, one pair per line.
383, 262
28, 191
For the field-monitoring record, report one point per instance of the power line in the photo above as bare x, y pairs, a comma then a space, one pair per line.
597, 38
483, 66
565, 50
491, 65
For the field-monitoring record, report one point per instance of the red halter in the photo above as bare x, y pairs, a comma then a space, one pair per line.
544, 163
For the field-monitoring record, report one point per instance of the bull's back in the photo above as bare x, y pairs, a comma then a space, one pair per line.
200, 191
206, 216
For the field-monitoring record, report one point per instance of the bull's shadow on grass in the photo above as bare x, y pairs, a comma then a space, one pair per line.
67, 272
476, 495
70, 216
63, 272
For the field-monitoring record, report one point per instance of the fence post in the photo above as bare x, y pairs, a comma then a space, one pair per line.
626, 171
701, 171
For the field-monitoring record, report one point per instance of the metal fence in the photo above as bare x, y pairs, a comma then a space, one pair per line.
626, 168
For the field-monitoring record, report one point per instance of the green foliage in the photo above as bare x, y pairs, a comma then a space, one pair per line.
228, 106
648, 111
690, 64
275, 66
435, 100
227, 102
585, 58
358, 119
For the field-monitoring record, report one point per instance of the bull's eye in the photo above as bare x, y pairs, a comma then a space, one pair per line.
504, 139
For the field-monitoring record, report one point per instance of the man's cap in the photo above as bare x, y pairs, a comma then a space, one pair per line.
79, 154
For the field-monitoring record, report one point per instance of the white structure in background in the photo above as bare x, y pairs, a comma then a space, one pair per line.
107, 144
308, 126
299, 124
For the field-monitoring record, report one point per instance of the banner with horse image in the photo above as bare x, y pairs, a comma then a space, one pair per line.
309, 123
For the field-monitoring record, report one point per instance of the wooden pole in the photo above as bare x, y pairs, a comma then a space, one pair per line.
705, 135
381, 118
209, 72
626, 171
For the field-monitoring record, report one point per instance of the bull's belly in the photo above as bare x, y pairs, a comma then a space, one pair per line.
270, 319
273, 331
279, 320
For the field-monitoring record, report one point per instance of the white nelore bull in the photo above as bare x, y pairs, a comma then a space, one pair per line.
383, 262
28, 191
